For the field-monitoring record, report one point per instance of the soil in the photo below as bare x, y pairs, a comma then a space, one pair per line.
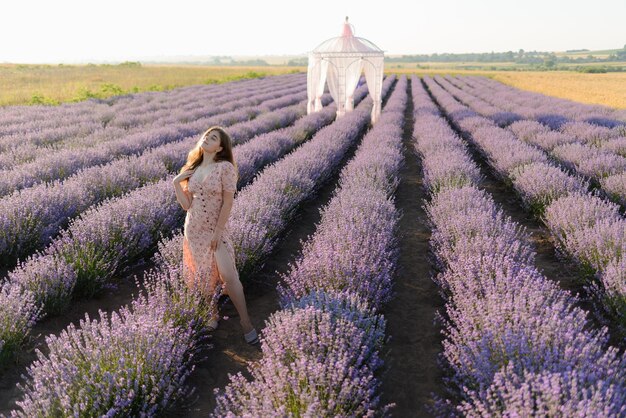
411, 373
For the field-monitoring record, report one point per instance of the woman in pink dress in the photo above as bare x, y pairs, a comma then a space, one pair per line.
205, 188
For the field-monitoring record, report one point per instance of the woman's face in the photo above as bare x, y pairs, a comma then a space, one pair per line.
211, 143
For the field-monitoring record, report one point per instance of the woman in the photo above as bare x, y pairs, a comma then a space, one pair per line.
210, 182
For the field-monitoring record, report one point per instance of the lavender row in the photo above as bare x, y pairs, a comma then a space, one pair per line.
15, 119
571, 145
29, 155
192, 102
31, 217
155, 164
515, 344
329, 332
79, 263
606, 168
512, 105
506, 110
121, 122
253, 155
99, 244
597, 152
48, 385
124, 122
587, 228
41, 123
574, 143
511, 157
598, 247
446, 163
45, 128
23, 152
59, 165
551, 110
89, 252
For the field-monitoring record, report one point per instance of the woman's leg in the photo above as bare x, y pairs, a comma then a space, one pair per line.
230, 275
224, 291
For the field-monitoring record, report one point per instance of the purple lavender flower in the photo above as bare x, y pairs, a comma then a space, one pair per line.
314, 363
615, 187
545, 393
539, 184
19, 311
612, 289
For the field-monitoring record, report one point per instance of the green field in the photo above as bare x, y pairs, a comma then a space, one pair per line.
603, 53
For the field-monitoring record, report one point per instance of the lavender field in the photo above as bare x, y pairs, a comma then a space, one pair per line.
463, 256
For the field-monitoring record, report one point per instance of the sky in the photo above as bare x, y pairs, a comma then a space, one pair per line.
67, 31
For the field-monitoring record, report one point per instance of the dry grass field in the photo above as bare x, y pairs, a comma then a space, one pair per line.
607, 89
52, 84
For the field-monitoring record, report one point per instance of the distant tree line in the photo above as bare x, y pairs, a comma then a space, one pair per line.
226, 60
520, 57
298, 62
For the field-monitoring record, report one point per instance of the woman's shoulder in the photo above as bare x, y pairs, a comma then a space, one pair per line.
227, 164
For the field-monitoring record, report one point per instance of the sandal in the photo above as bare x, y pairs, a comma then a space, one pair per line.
212, 324
252, 337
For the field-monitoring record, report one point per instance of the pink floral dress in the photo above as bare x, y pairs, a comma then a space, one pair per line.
199, 266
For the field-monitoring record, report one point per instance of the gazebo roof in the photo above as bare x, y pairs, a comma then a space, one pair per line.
347, 44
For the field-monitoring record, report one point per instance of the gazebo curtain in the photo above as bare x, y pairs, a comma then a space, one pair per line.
315, 84
373, 69
342, 74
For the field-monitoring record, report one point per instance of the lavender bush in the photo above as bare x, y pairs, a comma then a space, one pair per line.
582, 146
132, 363
154, 397
19, 311
102, 242
593, 247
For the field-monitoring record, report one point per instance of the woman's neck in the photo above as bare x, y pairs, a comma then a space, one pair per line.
206, 162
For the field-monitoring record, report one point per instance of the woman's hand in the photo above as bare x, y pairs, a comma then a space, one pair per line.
184, 197
215, 238
182, 176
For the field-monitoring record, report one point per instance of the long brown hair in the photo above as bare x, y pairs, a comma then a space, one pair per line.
196, 155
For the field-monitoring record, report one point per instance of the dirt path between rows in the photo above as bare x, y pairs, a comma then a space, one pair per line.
411, 372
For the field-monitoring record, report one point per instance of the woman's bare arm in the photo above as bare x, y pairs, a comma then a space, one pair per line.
184, 198
227, 204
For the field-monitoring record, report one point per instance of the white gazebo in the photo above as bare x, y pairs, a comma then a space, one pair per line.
340, 61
